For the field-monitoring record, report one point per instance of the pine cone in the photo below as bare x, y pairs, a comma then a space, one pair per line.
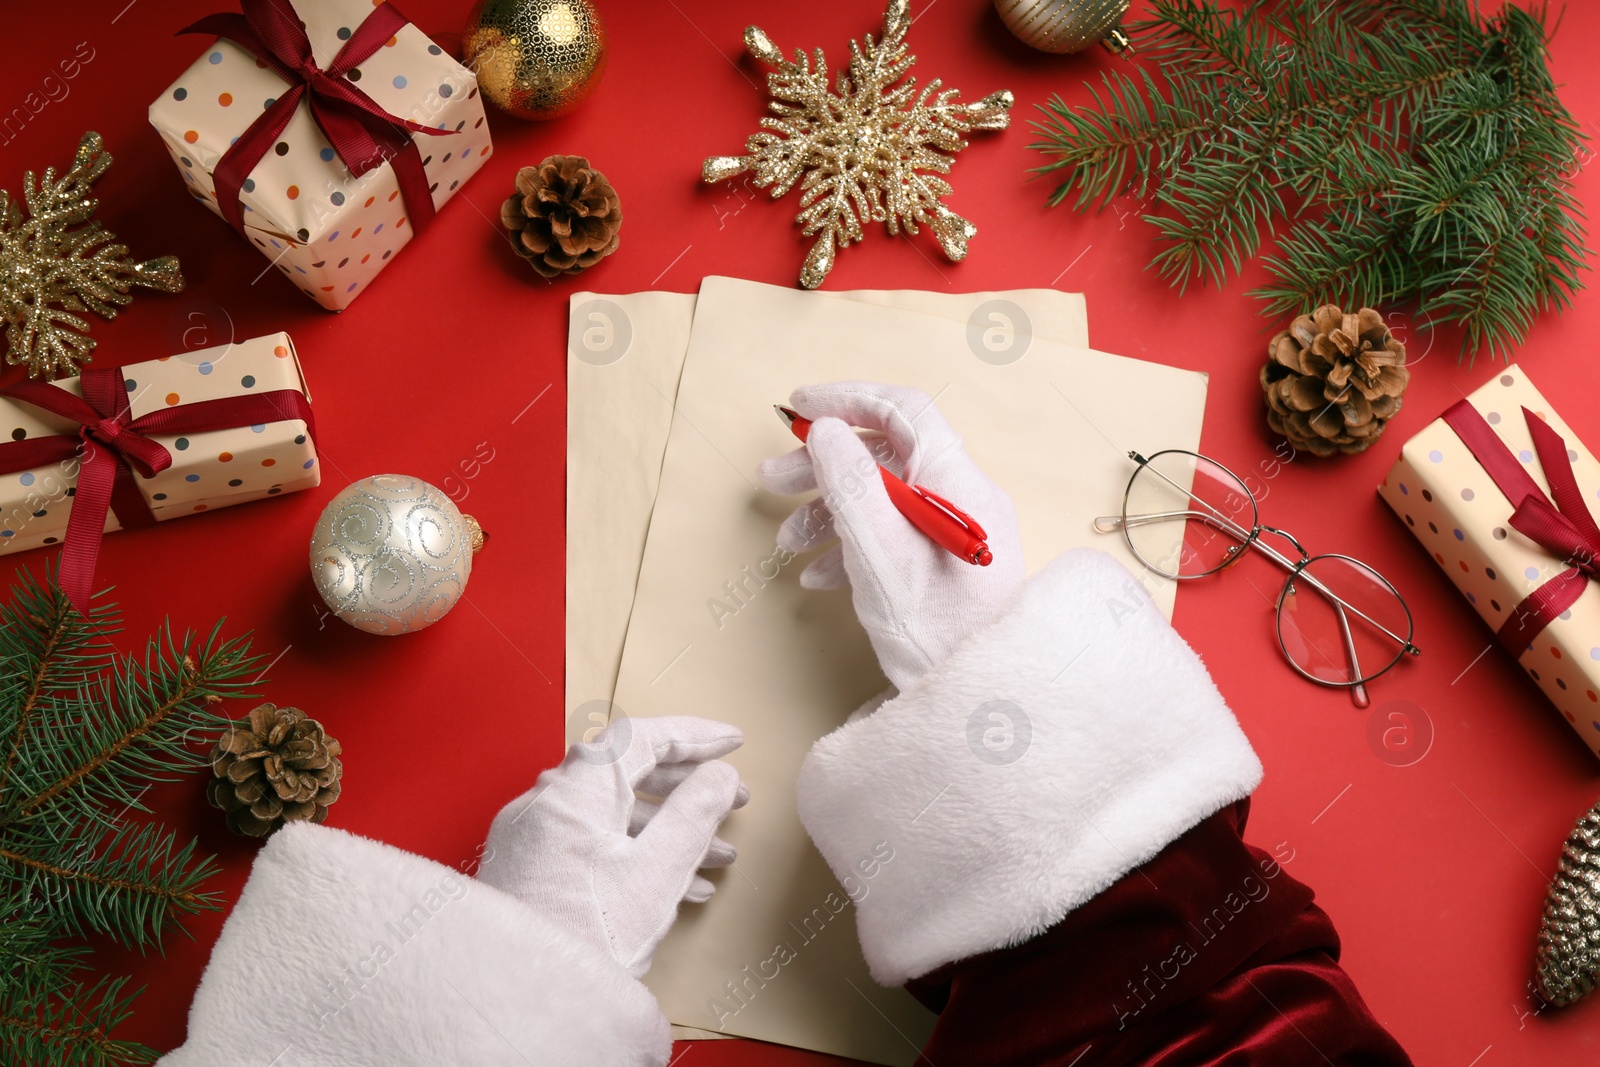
1333, 379
565, 216
276, 766
1569, 935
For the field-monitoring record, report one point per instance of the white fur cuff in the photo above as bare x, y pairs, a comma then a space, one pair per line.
1057, 749
344, 950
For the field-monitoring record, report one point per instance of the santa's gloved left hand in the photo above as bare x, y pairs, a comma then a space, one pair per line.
587, 852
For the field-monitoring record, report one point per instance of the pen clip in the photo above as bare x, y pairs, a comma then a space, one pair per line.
960, 516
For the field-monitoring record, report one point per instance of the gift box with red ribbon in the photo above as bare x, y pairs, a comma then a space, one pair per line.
1504, 496
130, 446
325, 134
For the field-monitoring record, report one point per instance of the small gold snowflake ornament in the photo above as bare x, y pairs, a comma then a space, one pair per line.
52, 265
870, 149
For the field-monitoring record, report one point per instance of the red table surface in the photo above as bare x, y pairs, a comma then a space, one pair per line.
1435, 872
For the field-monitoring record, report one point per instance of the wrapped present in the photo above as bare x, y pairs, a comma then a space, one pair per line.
325, 134
1504, 495
129, 446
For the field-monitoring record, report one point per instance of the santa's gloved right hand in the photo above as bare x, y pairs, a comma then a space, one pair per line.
582, 848
916, 600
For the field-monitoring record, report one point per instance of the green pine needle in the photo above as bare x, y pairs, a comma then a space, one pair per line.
1387, 150
84, 730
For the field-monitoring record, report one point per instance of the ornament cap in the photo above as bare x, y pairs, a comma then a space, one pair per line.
1117, 42
475, 533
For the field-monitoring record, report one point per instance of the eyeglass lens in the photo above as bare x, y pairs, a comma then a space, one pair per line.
1185, 516
1341, 641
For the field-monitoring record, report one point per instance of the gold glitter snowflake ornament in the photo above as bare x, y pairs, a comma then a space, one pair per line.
52, 266
871, 149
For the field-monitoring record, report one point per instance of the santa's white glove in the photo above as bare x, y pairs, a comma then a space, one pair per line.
584, 850
915, 599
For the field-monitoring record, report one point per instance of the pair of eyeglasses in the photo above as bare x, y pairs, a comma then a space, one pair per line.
1339, 622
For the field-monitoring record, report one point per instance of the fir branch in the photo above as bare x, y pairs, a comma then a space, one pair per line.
84, 732
130, 887
122, 745
55, 630
142, 736
26, 945
1219, 222
45, 646
1351, 257
1155, 136
1098, 150
40, 1024
1421, 123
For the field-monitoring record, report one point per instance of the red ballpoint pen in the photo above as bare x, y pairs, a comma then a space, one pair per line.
945, 524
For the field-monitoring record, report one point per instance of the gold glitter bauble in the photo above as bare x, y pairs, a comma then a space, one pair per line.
1065, 25
870, 149
536, 59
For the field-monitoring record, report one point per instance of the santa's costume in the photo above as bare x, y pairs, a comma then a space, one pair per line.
1071, 889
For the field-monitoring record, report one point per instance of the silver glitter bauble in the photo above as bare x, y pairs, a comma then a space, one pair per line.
1569, 935
392, 554
1065, 25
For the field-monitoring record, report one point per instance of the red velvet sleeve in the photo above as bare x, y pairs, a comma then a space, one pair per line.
1208, 955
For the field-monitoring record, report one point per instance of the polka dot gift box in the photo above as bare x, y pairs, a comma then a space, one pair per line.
210, 470
323, 227
1472, 487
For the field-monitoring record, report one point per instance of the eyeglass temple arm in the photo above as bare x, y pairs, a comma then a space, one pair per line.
1358, 692
1112, 523
1298, 573
1188, 491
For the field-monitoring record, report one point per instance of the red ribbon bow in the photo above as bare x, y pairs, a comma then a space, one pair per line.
110, 445
1565, 528
364, 135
